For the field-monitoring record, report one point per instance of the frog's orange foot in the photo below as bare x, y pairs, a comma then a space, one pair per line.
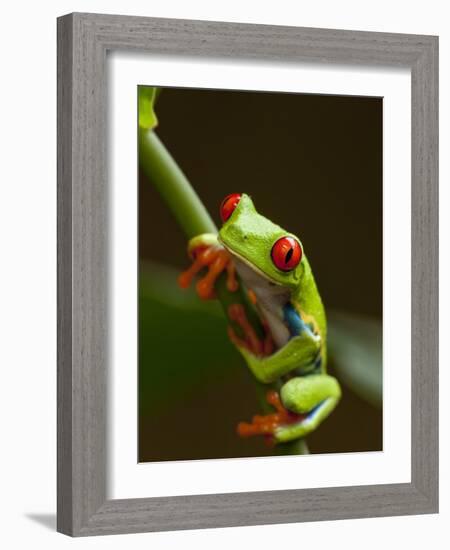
267, 424
250, 340
217, 260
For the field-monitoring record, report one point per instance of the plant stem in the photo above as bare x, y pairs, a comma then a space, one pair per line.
173, 186
296, 447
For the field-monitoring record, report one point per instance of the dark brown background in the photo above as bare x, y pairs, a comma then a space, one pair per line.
312, 164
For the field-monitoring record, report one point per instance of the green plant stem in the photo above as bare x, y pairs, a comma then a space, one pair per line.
296, 447
173, 186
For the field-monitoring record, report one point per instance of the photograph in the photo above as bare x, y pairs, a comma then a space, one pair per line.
260, 303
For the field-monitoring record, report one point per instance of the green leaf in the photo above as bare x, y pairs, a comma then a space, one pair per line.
355, 351
183, 343
147, 97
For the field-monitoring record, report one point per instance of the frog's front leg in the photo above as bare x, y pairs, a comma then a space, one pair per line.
301, 353
207, 253
313, 397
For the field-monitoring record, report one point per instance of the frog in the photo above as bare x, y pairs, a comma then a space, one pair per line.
291, 357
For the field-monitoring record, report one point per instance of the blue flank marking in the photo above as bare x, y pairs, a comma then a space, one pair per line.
293, 320
296, 326
312, 412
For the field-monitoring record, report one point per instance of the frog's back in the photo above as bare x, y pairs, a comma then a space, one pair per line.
308, 302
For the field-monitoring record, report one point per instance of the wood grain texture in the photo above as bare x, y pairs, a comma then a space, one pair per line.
83, 41
64, 297
425, 252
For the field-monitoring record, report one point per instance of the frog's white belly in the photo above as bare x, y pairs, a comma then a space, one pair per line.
271, 298
280, 333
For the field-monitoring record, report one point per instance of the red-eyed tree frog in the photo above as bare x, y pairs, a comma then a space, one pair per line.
292, 356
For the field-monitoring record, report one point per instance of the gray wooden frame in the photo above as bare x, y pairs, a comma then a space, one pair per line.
83, 41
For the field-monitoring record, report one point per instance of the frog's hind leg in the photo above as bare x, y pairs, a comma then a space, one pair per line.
314, 397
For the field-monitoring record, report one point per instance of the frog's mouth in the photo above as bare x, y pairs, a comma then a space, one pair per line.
238, 259
271, 296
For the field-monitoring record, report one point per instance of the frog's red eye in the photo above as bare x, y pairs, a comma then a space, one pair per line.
228, 205
286, 253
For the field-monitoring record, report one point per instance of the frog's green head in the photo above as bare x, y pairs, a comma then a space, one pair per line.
262, 245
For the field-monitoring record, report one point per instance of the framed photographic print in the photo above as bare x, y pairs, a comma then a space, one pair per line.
247, 274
